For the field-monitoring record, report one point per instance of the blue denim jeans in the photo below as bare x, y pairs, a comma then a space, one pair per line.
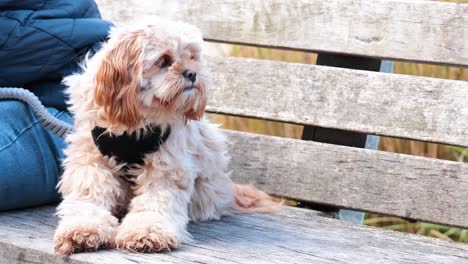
30, 157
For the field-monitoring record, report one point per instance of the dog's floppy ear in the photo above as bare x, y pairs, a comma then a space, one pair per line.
117, 80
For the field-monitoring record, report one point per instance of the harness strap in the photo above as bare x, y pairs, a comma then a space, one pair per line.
130, 148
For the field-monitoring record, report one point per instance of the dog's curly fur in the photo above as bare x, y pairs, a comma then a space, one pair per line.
135, 80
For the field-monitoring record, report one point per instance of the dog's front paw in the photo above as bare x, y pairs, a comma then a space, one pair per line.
82, 238
150, 239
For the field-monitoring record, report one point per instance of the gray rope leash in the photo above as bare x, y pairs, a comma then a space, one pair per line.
50, 122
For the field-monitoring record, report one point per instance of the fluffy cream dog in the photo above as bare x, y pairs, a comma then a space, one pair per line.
145, 76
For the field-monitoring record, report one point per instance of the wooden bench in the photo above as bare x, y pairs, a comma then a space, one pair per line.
323, 99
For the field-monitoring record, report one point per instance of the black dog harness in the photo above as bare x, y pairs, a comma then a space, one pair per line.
127, 147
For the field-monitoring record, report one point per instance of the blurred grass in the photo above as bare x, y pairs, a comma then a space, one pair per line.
386, 143
420, 228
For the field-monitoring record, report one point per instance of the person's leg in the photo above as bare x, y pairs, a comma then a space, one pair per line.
30, 157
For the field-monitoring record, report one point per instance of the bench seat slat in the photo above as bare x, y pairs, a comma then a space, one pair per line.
422, 31
26, 237
388, 183
426, 109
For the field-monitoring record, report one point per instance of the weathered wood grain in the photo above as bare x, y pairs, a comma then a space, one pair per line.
423, 31
403, 106
388, 183
26, 237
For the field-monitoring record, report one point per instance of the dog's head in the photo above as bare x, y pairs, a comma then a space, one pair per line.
146, 72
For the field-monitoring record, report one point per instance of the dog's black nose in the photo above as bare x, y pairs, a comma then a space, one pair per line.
190, 75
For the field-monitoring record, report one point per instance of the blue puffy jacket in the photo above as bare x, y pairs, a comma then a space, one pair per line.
41, 41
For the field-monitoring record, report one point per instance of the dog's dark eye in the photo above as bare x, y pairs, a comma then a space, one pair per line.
166, 62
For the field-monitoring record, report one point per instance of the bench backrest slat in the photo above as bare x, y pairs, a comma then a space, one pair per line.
407, 186
402, 106
423, 31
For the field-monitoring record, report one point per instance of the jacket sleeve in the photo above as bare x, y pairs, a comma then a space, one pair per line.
44, 40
